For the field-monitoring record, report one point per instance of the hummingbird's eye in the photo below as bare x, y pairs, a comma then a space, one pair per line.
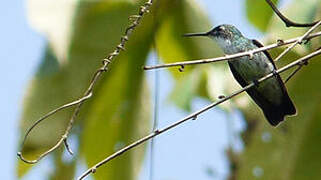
222, 28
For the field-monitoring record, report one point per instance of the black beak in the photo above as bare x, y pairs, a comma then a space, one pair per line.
196, 34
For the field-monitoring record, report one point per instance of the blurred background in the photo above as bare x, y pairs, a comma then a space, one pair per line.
50, 49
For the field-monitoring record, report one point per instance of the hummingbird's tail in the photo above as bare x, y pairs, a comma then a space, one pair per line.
276, 114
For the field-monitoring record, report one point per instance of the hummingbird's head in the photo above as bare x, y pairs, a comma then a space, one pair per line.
224, 34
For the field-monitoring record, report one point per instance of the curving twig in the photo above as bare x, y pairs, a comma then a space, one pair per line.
64, 139
233, 56
194, 115
136, 19
288, 22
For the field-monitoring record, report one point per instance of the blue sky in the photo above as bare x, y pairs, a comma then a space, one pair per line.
186, 152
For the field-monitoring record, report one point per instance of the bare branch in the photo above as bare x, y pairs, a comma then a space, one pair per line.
195, 114
233, 56
44, 118
288, 22
136, 19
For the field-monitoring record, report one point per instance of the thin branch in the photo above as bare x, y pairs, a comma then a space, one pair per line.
293, 73
298, 41
288, 22
233, 56
300, 65
136, 19
195, 114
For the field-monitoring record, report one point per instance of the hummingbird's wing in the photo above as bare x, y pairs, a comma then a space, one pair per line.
259, 45
267, 54
258, 98
287, 106
274, 114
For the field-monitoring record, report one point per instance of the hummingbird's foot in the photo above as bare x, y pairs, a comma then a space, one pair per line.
305, 63
256, 83
251, 55
275, 73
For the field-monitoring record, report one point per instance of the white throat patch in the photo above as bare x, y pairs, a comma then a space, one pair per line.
225, 44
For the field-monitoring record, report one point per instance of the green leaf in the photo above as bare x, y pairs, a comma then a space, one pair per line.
220, 82
259, 13
47, 90
63, 168
180, 18
64, 74
186, 89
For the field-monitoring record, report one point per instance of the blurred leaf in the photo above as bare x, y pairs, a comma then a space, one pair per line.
306, 163
180, 18
186, 89
220, 82
54, 19
22, 168
119, 112
259, 13
48, 90
63, 169
112, 127
95, 30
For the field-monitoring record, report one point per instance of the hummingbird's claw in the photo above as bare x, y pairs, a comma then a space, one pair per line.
275, 73
256, 83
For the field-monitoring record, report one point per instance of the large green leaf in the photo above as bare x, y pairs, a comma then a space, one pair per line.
94, 31
259, 13
119, 112
48, 90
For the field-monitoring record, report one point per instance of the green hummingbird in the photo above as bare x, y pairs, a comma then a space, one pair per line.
270, 95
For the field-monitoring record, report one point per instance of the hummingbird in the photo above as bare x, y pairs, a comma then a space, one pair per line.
270, 95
